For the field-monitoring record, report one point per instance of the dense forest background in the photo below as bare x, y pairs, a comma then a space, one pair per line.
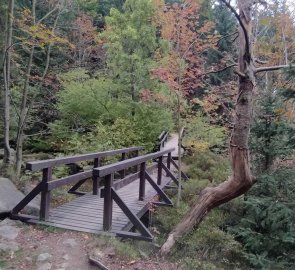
96, 75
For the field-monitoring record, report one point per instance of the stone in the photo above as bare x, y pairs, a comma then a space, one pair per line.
70, 243
10, 196
65, 265
45, 266
43, 257
29, 259
27, 189
8, 246
66, 257
9, 229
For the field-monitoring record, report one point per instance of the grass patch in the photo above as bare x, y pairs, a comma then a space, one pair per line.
50, 229
208, 246
126, 249
3, 264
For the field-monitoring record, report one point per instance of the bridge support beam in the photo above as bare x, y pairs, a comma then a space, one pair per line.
142, 181
108, 203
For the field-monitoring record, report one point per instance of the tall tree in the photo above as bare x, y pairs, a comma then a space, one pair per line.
7, 82
241, 179
131, 44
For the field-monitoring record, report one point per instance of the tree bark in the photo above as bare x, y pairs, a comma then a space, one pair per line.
24, 108
241, 179
6, 76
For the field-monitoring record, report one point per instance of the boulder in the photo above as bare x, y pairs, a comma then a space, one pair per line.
10, 196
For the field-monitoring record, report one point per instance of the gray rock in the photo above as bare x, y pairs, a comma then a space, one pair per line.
29, 259
10, 196
9, 229
45, 266
27, 189
66, 257
12, 157
65, 265
70, 243
8, 246
43, 257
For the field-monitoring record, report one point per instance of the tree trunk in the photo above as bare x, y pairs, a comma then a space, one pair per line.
22, 117
241, 179
6, 76
24, 108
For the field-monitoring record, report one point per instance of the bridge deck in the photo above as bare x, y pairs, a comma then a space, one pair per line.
173, 143
85, 213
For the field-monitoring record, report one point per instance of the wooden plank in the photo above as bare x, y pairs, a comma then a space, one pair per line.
112, 168
38, 165
69, 179
74, 217
88, 209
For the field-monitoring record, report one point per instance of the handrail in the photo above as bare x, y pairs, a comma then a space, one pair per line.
46, 185
38, 165
163, 137
112, 168
109, 191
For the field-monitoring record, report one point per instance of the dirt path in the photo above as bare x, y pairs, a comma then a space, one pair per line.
42, 248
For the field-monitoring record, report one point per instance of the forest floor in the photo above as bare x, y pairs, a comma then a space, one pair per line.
44, 248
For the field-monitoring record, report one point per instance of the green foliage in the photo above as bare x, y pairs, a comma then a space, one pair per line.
272, 134
93, 117
125, 249
131, 44
267, 227
208, 167
201, 135
208, 246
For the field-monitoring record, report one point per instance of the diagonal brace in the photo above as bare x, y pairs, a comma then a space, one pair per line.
170, 174
34, 192
161, 193
132, 217
176, 166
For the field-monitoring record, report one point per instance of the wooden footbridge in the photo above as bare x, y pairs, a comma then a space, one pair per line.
122, 192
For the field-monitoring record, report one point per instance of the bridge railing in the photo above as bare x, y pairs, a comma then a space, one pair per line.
47, 184
109, 192
161, 140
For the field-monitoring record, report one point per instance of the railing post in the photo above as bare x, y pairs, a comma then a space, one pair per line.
45, 194
159, 178
95, 178
108, 203
123, 172
142, 181
169, 161
137, 167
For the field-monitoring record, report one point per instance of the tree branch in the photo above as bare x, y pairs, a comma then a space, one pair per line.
219, 70
228, 35
240, 23
273, 68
